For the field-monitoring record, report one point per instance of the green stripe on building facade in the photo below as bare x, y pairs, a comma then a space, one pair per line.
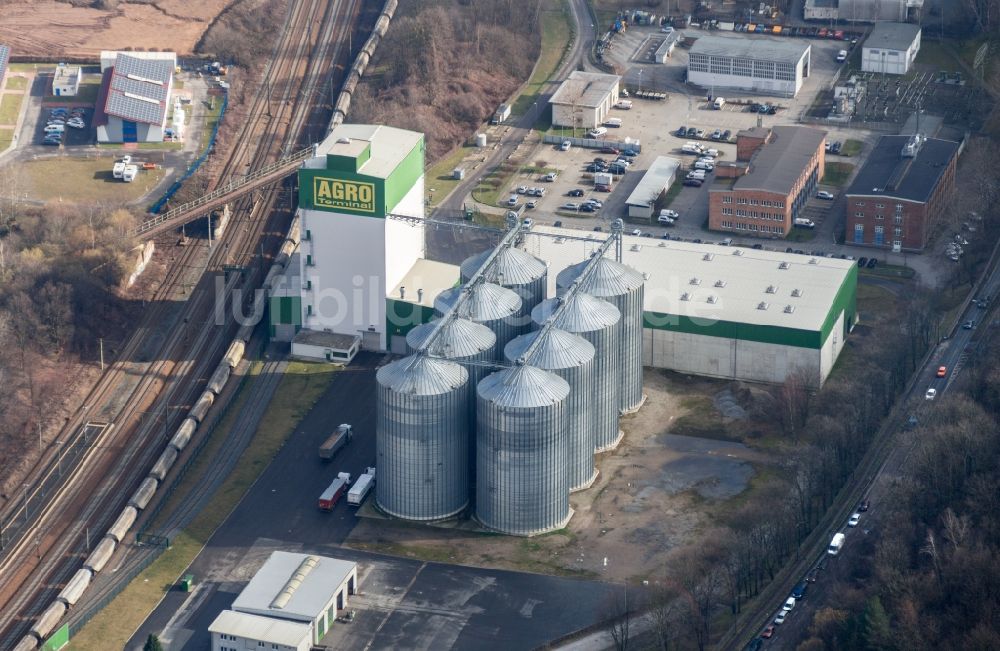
401, 317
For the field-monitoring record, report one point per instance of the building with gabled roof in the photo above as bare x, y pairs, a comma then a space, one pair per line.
584, 99
134, 99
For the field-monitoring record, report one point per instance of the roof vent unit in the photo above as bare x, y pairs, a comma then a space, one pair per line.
797, 293
737, 251
560, 240
912, 146
720, 283
783, 265
708, 257
772, 289
695, 281
712, 299
813, 261
343, 140
685, 296
636, 247
789, 309
762, 305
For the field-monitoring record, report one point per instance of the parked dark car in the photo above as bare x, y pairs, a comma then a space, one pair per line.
863, 506
681, 131
557, 223
692, 132
588, 207
575, 193
799, 591
692, 183
727, 134
872, 263
862, 261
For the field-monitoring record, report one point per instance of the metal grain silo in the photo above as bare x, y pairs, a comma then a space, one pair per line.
522, 485
622, 286
599, 322
422, 438
514, 269
460, 340
493, 306
571, 357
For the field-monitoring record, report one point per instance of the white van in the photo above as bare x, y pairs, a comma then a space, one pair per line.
118, 170
803, 222
624, 104
836, 544
719, 103
614, 123
128, 174
701, 165
691, 149
841, 56
597, 132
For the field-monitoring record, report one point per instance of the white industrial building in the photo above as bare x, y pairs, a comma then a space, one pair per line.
891, 48
758, 65
292, 601
728, 312
66, 80
358, 197
134, 98
584, 99
862, 11
660, 176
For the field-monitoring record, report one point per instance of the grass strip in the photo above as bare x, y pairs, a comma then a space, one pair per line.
300, 388
837, 173
10, 106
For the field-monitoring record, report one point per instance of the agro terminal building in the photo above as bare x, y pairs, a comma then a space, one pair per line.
290, 603
730, 312
584, 99
134, 99
758, 65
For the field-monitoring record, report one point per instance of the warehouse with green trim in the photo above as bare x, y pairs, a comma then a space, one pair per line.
728, 312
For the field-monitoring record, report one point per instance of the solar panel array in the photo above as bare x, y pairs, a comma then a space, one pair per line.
139, 89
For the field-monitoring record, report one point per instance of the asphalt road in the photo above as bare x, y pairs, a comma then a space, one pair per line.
405, 603
952, 353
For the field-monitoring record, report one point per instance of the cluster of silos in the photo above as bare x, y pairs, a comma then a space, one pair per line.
622, 286
514, 269
498, 308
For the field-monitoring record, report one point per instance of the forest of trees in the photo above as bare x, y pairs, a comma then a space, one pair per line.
445, 65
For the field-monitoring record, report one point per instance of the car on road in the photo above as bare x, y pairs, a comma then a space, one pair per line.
862, 261
789, 604
969, 325
823, 194
768, 632
693, 183
569, 205
575, 192
872, 263
754, 645
636, 232
557, 223
942, 371
780, 617
799, 591
854, 520
931, 394
863, 506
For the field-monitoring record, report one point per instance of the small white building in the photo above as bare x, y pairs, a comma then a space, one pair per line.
66, 81
584, 99
134, 99
891, 48
660, 176
296, 588
233, 631
759, 65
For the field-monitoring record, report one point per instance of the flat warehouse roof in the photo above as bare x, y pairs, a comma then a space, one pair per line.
736, 279
777, 165
293, 586
887, 173
429, 275
741, 47
892, 36
389, 146
660, 172
257, 627
586, 89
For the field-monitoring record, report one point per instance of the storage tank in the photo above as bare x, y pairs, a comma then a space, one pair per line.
599, 322
495, 307
623, 287
571, 357
460, 340
422, 438
522, 485
514, 269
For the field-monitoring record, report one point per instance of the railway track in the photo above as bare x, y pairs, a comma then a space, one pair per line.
52, 546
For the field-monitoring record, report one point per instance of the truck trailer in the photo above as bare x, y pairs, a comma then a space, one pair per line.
337, 440
501, 114
361, 488
333, 492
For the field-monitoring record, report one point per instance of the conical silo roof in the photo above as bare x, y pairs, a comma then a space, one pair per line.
609, 278
523, 386
582, 313
510, 267
422, 375
459, 338
486, 302
558, 349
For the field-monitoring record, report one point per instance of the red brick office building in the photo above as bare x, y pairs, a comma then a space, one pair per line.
784, 165
903, 185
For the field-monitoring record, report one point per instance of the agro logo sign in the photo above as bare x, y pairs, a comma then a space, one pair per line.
336, 193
